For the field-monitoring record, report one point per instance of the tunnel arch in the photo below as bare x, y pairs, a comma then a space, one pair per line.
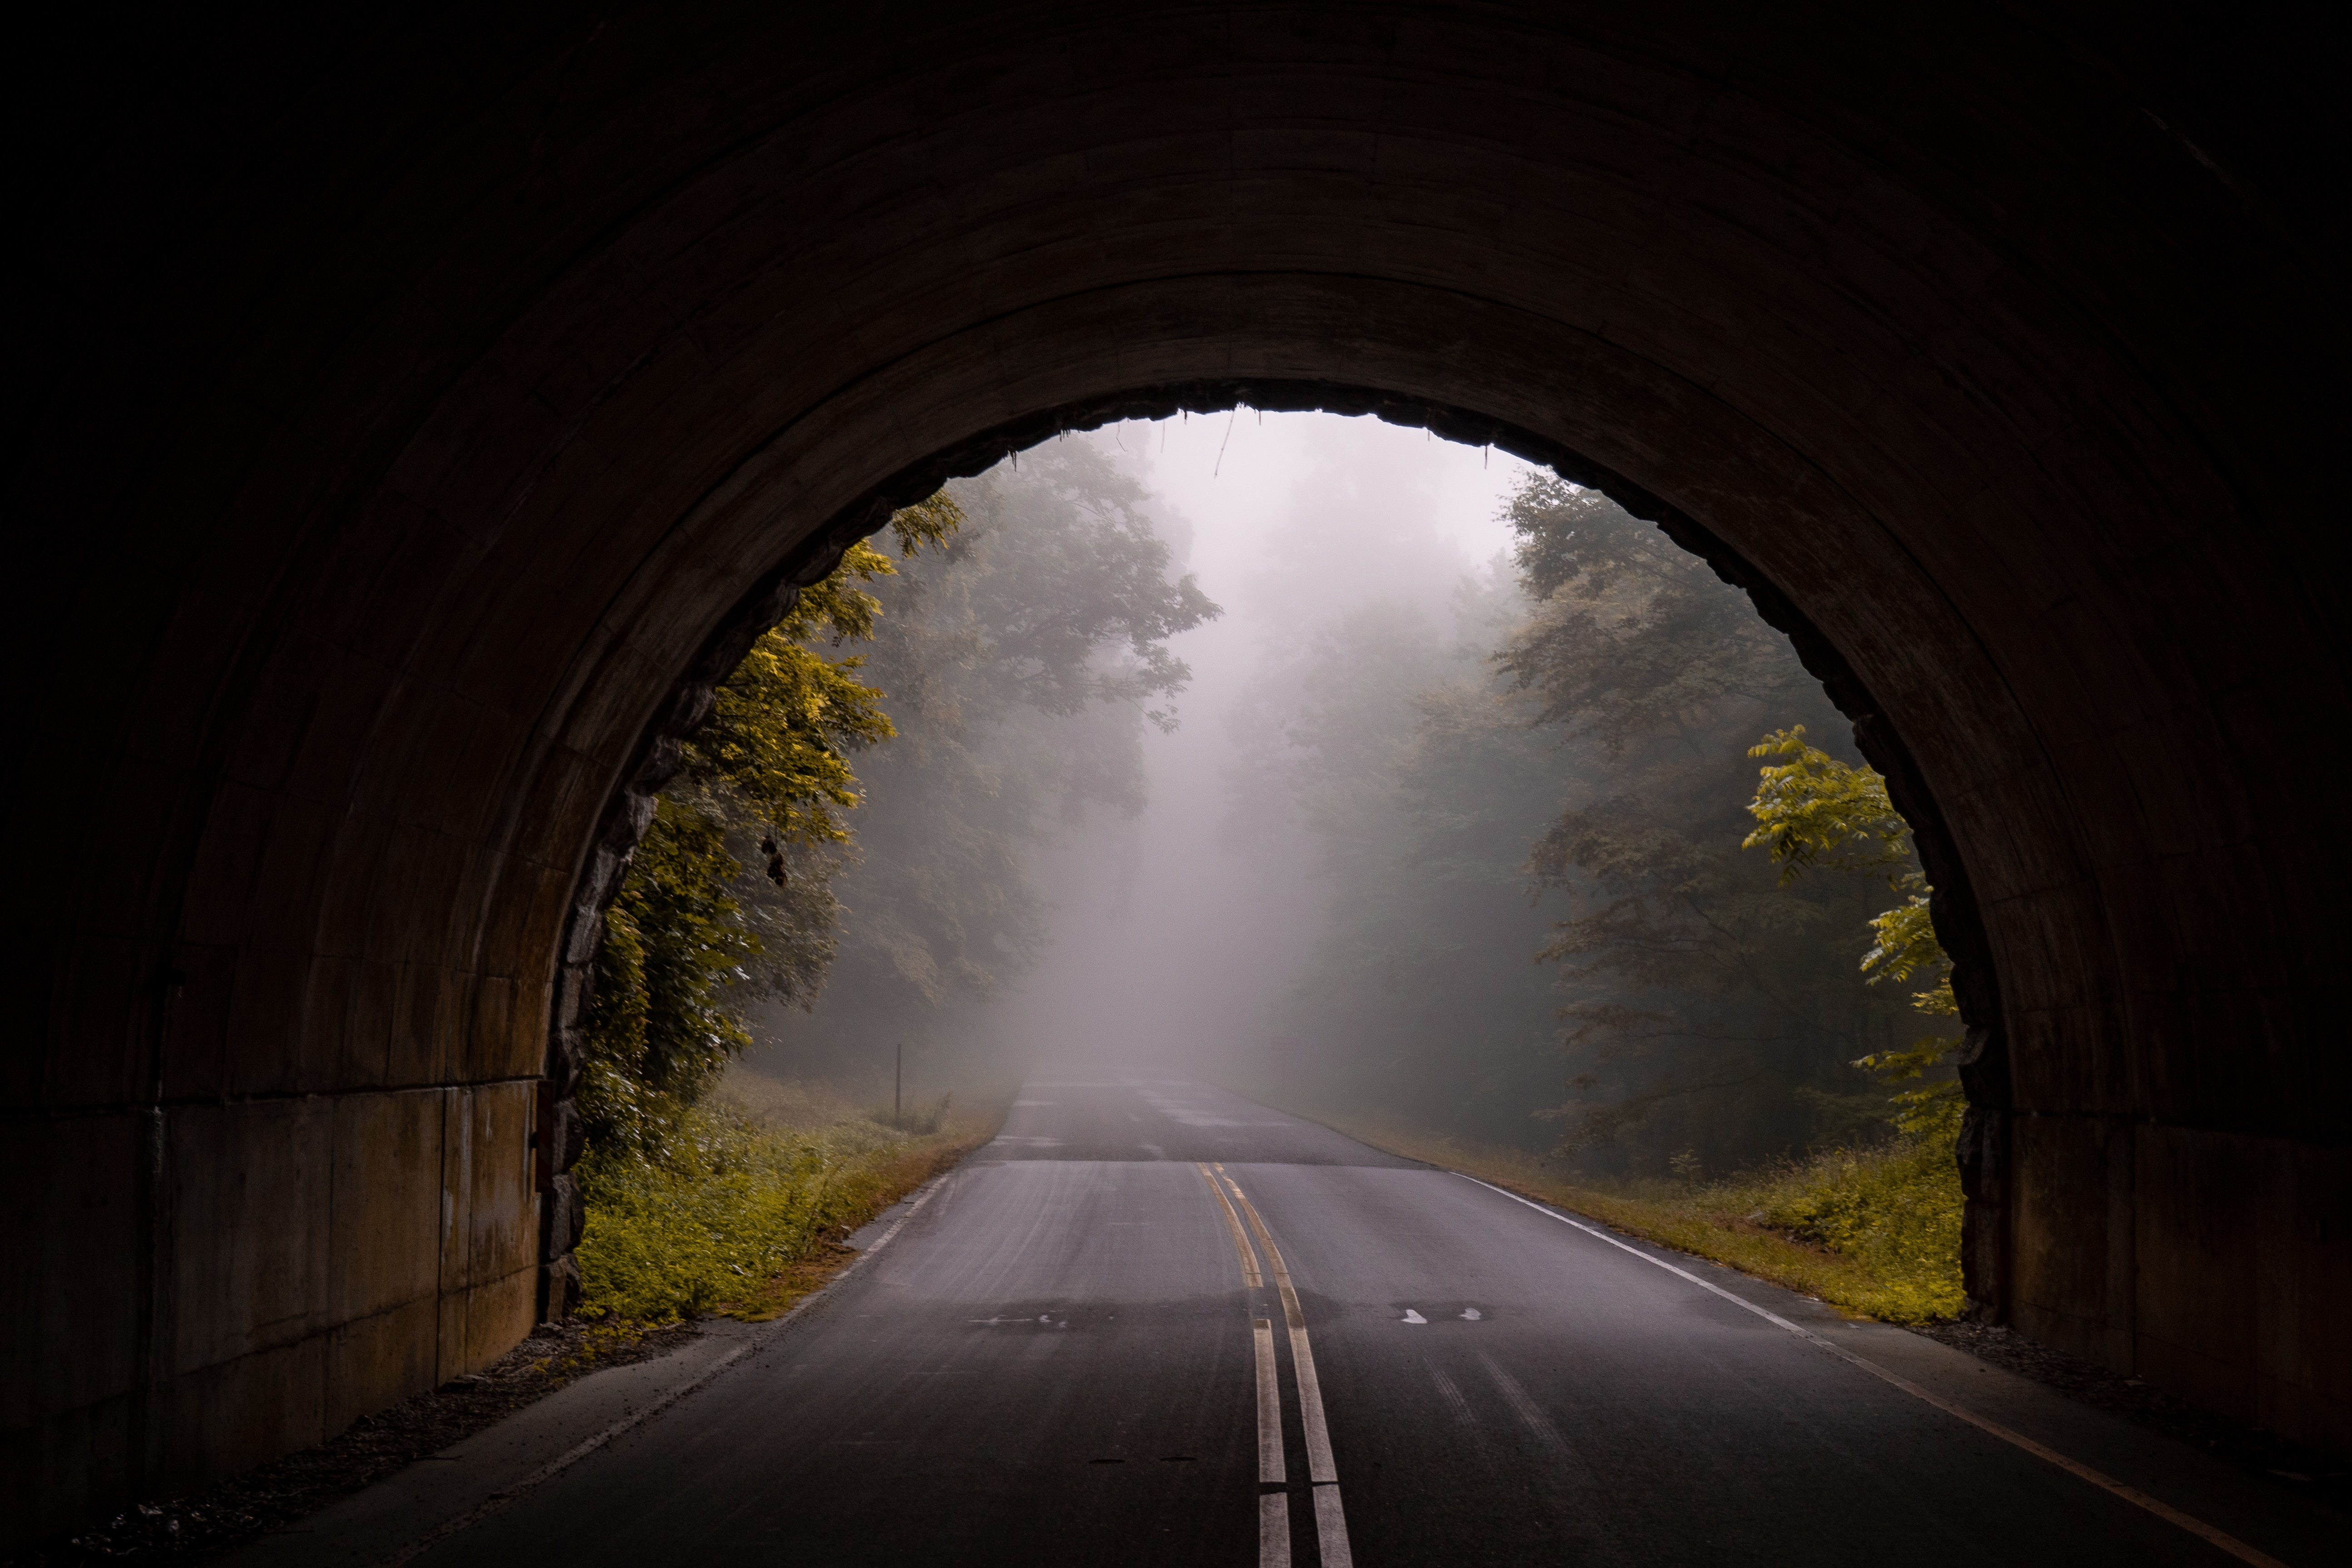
422, 403
652, 759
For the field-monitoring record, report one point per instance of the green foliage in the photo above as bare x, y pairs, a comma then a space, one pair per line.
933, 521
1816, 811
780, 733
1708, 1009
1873, 1230
658, 1032
1711, 1014
689, 937
729, 1205
1895, 1210
1022, 662
1633, 637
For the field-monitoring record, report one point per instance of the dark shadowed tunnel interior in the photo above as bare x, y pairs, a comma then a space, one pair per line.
423, 415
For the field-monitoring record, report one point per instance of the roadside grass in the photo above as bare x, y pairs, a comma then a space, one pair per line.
1875, 1231
747, 1214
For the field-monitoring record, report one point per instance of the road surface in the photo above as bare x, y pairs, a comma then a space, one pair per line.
1079, 1348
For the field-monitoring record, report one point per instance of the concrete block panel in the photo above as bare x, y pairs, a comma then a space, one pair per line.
498, 1197
482, 1323
2060, 1175
68, 1467
220, 1419
373, 1361
2303, 1275
2201, 1197
385, 1222
251, 1216
76, 1196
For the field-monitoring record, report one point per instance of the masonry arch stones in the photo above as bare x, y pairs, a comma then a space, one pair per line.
420, 410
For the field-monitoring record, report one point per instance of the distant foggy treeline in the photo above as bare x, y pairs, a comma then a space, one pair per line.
1514, 830
1020, 667
1543, 929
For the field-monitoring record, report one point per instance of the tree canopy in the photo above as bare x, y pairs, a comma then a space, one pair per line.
1814, 811
1022, 662
766, 779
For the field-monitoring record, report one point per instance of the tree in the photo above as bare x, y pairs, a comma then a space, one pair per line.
1022, 662
1816, 811
689, 938
1707, 1012
1389, 762
1632, 638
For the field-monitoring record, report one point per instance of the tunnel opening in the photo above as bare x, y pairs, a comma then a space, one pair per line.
415, 407
653, 762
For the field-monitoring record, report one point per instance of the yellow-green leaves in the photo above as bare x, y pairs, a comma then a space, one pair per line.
780, 737
1906, 946
1815, 810
772, 758
657, 1035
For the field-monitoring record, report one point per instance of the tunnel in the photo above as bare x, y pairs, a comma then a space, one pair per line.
421, 412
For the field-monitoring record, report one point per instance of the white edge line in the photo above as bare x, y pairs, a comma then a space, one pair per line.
588, 1446
2133, 1495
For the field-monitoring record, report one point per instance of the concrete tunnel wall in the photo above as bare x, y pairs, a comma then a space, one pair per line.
422, 411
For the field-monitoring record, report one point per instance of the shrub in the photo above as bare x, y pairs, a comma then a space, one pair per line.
1895, 1210
1876, 1231
730, 1205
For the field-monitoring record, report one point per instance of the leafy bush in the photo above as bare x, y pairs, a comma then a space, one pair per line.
1876, 1231
729, 1205
1896, 1210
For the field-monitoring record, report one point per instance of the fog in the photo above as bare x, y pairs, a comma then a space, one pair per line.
1420, 841
1171, 946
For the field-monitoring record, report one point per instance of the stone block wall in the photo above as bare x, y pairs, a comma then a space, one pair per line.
417, 412
212, 1285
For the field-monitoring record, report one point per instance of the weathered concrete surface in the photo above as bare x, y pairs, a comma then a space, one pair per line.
388, 1518
413, 409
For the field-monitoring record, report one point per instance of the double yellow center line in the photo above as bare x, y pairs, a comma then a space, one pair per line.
1273, 1473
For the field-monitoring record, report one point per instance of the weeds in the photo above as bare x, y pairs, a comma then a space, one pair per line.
918, 1120
1876, 1231
737, 1214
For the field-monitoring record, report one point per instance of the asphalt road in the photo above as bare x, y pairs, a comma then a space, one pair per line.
1061, 1358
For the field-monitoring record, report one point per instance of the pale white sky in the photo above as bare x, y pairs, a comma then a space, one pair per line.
1166, 945
1369, 500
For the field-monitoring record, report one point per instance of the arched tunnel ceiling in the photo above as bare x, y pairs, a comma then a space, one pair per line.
420, 403
517, 377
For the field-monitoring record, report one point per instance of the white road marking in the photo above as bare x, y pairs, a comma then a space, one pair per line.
1413, 1317
1330, 1523
1273, 1530
1471, 1314
2133, 1495
1269, 1404
1273, 1508
1331, 1528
